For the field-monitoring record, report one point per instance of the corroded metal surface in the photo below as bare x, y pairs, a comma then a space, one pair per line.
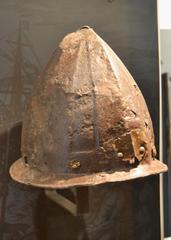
87, 122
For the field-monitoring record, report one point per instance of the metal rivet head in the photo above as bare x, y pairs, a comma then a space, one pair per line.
142, 150
75, 164
120, 155
85, 27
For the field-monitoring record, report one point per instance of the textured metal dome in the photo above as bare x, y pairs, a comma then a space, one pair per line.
87, 122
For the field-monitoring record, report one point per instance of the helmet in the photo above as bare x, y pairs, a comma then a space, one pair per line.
87, 122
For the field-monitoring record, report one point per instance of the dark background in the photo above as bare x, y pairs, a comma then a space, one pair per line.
30, 31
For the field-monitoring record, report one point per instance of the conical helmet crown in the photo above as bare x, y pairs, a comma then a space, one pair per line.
87, 122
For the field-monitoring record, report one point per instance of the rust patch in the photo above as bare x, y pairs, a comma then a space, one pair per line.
75, 164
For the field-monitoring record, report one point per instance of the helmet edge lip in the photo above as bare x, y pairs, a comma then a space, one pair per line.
27, 176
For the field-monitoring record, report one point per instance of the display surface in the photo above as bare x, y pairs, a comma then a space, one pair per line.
87, 121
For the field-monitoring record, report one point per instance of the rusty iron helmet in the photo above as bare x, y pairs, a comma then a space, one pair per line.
87, 122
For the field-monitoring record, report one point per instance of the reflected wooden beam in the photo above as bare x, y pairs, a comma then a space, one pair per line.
79, 207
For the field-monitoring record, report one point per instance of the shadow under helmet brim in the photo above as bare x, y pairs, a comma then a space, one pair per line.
23, 173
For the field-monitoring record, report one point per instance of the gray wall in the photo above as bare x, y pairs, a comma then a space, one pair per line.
165, 45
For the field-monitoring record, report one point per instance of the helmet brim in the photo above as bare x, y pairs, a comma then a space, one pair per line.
23, 173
